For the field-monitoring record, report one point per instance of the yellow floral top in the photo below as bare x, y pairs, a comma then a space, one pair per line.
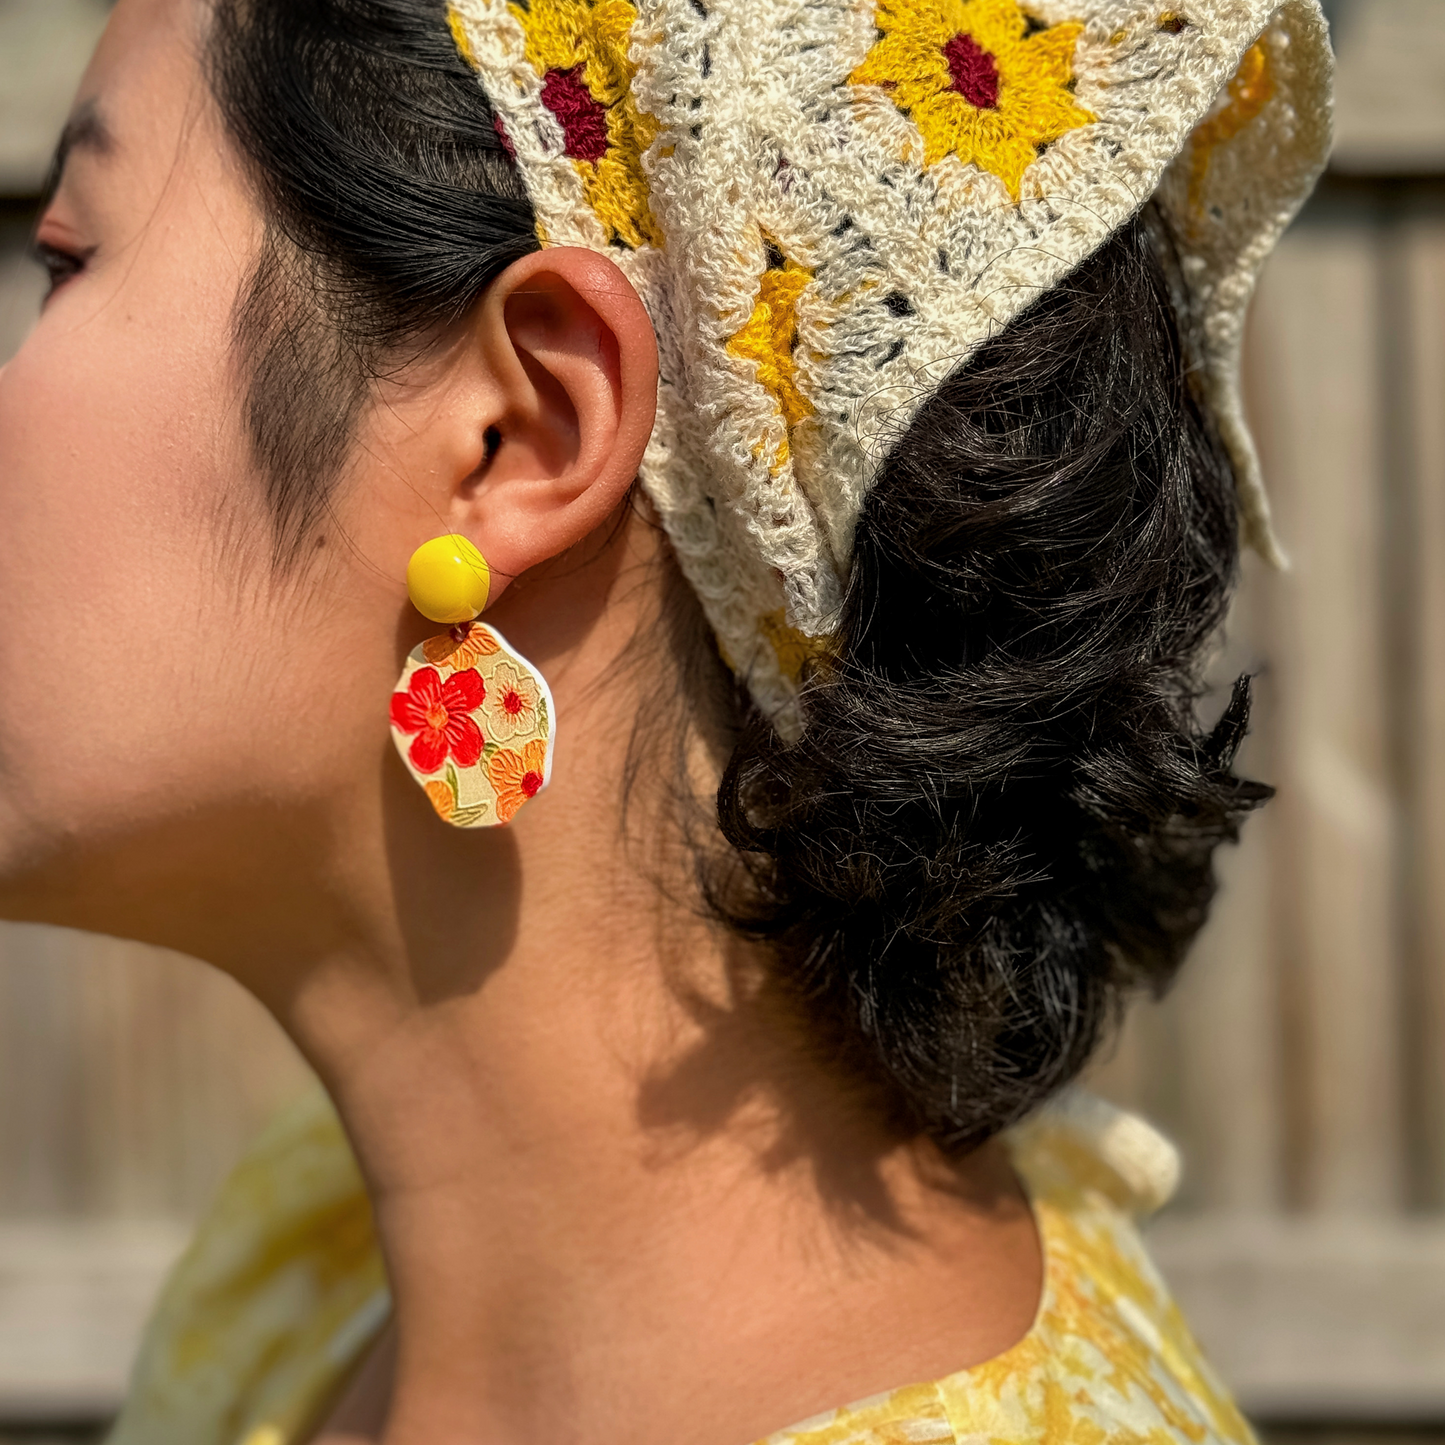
283, 1291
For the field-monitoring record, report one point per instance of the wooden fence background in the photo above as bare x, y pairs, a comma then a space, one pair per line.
1301, 1057
1301, 1060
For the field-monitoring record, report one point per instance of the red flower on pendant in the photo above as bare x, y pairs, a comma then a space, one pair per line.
439, 714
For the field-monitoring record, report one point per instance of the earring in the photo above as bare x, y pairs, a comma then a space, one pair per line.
471, 717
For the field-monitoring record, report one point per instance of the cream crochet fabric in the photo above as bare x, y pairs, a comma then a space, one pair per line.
827, 205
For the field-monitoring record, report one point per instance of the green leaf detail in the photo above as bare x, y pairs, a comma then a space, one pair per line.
465, 817
542, 723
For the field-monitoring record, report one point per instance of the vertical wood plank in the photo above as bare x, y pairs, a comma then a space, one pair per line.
1317, 319
42, 1110
130, 1079
44, 47
1227, 1008
1420, 252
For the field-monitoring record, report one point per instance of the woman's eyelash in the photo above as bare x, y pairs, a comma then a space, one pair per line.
60, 266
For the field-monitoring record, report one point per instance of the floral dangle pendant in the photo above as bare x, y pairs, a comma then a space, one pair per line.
473, 722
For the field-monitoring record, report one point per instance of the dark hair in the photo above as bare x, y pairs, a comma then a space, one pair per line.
1000, 816
390, 205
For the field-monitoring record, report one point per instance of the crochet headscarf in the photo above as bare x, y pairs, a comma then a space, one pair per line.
827, 205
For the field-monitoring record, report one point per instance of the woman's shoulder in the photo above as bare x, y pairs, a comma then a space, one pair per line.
1110, 1352
283, 1291
1109, 1357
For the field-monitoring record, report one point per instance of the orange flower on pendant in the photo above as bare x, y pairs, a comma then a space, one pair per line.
443, 800
517, 777
438, 714
978, 79
461, 647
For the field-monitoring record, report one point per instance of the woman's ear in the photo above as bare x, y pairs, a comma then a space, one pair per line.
569, 372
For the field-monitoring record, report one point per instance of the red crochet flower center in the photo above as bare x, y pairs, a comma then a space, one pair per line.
583, 119
531, 785
974, 71
512, 702
500, 127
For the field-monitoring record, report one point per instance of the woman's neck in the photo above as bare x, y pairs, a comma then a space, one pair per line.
617, 1198
618, 1202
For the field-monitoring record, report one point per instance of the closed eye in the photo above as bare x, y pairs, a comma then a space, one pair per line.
60, 266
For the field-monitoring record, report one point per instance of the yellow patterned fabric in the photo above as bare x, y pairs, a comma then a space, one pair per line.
279, 1295
282, 1293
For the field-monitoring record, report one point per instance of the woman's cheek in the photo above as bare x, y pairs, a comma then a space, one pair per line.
117, 452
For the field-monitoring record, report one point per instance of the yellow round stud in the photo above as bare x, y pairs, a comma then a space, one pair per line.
449, 580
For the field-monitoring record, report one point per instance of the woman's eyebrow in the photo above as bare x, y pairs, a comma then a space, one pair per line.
86, 130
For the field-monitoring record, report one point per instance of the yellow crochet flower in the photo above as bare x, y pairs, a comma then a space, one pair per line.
975, 81
1249, 92
770, 334
796, 650
580, 51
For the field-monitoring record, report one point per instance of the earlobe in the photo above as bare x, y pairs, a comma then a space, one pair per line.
573, 359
